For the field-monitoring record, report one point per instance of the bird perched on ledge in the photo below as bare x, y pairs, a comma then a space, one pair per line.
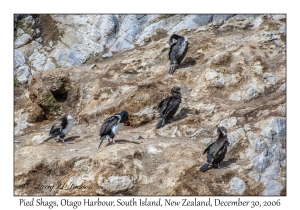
61, 128
178, 51
217, 150
112, 126
169, 106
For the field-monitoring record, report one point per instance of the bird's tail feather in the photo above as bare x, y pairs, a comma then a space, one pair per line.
101, 140
159, 123
172, 68
204, 167
48, 139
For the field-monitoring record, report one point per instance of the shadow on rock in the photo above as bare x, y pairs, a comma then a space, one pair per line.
181, 115
227, 163
71, 138
123, 141
189, 61
224, 164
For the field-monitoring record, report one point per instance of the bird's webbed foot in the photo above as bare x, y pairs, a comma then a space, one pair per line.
63, 141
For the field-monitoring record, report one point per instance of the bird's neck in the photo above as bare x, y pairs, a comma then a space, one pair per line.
177, 95
174, 36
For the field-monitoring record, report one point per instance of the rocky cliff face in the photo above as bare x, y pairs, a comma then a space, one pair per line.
93, 66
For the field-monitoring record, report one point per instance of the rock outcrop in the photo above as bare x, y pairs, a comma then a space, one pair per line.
93, 66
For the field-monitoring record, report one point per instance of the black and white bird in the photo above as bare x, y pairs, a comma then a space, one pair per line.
112, 126
217, 150
178, 51
61, 128
169, 106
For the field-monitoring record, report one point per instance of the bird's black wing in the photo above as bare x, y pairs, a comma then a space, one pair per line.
108, 123
222, 150
164, 104
55, 128
221, 153
171, 49
206, 150
217, 146
172, 103
182, 50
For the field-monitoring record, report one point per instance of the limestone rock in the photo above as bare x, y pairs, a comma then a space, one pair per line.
261, 161
115, 184
107, 55
239, 21
228, 123
277, 153
219, 19
282, 29
236, 96
253, 90
19, 58
20, 121
272, 187
272, 172
275, 129
215, 79
237, 185
192, 21
22, 40
260, 145
153, 150
36, 138
270, 79
23, 74
235, 136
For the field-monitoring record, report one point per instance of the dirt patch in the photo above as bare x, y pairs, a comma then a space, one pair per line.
19, 90
36, 113
253, 189
48, 28
160, 34
221, 59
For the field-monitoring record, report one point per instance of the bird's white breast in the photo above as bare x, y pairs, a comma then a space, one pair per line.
115, 129
69, 126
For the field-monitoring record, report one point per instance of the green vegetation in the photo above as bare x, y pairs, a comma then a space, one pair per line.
16, 82
51, 103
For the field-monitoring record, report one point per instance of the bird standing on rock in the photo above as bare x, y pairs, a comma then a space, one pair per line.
178, 51
169, 106
217, 150
112, 126
61, 128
